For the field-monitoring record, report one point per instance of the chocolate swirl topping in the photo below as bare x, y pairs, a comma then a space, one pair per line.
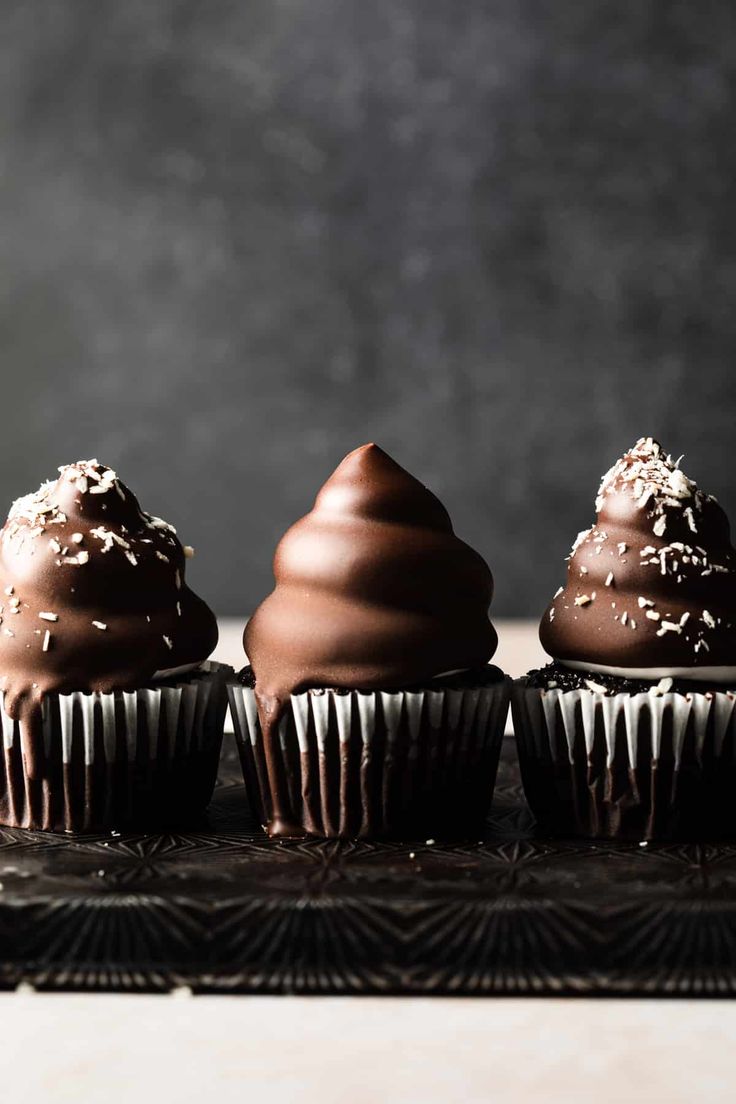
373, 591
652, 584
92, 594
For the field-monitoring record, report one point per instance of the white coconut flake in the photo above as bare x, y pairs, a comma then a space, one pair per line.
49, 616
709, 619
583, 600
663, 687
595, 686
99, 625
609, 579
168, 642
668, 626
46, 641
579, 539
644, 602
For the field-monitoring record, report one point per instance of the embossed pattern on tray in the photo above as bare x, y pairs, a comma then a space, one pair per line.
219, 908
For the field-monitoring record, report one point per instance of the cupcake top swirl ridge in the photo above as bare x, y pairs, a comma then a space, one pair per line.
373, 589
652, 584
92, 592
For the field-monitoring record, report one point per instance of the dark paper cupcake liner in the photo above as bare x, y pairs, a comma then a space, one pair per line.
103, 761
402, 764
631, 766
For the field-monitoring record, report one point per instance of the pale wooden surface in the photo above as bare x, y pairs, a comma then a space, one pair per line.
324, 1050
355, 1050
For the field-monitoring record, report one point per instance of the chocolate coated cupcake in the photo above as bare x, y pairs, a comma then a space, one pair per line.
110, 716
370, 708
630, 732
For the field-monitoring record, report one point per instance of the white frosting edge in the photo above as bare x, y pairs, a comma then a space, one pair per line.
692, 674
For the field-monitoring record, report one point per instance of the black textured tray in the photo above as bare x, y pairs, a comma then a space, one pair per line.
221, 909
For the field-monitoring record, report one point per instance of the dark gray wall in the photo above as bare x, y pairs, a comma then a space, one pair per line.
240, 238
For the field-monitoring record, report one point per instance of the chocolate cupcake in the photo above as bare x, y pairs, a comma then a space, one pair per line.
630, 732
110, 715
369, 708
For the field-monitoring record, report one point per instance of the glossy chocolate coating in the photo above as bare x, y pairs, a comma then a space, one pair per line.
652, 584
373, 591
92, 593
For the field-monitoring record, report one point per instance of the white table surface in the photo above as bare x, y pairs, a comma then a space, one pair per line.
355, 1050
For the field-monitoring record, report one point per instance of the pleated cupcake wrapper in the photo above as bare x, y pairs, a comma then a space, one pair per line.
105, 760
376, 764
632, 765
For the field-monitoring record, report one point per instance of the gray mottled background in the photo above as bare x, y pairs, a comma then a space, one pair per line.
240, 238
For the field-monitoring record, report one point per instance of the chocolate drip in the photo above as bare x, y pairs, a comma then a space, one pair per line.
652, 584
373, 591
92, 596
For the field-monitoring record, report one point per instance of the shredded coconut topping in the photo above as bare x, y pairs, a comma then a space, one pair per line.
656, 483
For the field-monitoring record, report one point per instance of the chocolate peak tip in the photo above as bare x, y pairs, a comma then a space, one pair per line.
365, 459
647, 472
369, 483
87, 488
